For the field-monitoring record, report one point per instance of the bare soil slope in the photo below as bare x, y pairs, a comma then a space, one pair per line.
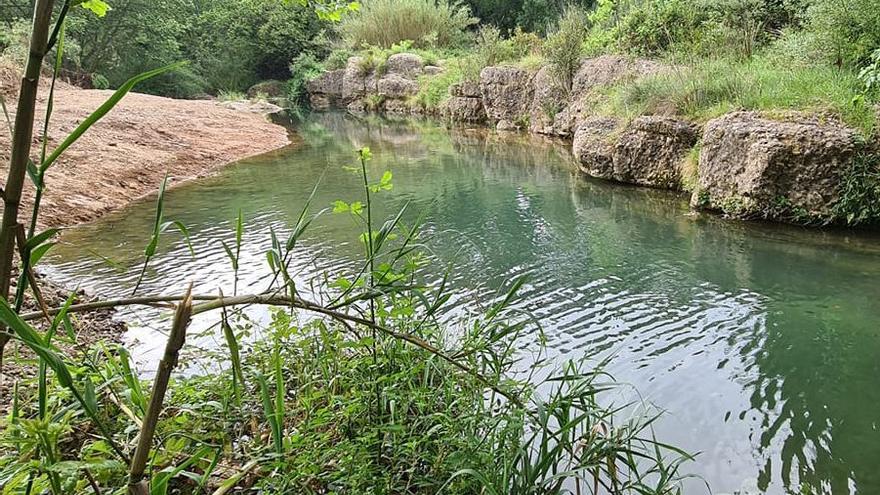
125, 156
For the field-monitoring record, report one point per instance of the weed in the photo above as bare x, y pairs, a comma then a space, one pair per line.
859, 200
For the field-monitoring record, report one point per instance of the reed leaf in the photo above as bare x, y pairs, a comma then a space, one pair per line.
271, 414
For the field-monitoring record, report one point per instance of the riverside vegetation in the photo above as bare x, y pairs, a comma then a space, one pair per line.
356, 386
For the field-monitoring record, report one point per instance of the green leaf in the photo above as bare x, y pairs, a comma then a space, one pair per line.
89, 394
184, 232
365, 154
341, 207
229, 255
40, 238
38, 253
98, 7
35, 342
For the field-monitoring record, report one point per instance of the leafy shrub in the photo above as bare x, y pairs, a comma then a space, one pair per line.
526, 43
795, 48
870, 75
14, 43
564, 47
303, 69
382, 23
230, 45
848, 31
656, 26
100, 82
492, 47
337, 59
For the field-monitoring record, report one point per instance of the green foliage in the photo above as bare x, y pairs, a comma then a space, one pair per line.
303, 69
848, 31
14, 41
100, 82
338, 58
564, 46
870, 75
492, 48
434, 90
426, 23
537, 16
713, 87
231, 44
859, 201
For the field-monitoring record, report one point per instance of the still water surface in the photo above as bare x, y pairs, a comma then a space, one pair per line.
762, 343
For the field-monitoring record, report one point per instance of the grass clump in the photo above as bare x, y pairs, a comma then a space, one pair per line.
434, 90
859, 201
427, 23
229, 95
713, 87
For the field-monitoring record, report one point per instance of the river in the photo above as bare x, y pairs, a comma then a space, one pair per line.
760, 342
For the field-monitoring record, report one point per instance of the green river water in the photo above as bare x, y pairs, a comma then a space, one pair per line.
761, 342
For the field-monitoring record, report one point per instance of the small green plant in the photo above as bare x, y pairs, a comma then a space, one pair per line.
564, 46
374, 102
690, 169
870, 75
859, 200
338, 59
492, 47
227, 95
99, 81
303, 69
434, 90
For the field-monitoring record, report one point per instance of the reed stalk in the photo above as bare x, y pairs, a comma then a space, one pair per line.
137, 485
21, 145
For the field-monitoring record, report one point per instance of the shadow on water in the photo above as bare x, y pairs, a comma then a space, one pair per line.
760, 341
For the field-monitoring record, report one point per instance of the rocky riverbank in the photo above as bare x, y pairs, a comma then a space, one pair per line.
782, 166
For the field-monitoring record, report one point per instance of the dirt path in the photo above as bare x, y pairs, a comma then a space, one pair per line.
125, 156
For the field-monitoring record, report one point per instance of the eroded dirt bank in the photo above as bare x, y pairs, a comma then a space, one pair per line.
125, 155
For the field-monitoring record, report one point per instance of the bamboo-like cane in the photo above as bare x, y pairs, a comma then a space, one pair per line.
137, 485
21, 144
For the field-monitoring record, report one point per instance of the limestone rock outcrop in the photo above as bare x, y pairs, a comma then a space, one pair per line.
325, 91
397, 87
647, 152
593, 146
464, 109
651, 150
507, 95
407, 65
754, 166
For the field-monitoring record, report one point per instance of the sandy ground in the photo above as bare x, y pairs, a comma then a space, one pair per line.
125, 155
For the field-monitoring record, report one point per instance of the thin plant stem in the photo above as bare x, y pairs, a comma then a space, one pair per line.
136, 483
21, 144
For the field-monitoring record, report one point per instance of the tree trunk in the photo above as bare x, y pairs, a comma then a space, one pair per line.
21, 145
